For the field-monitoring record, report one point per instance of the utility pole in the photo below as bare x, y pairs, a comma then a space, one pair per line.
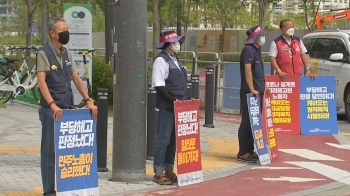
130, 88
109, 28
44, 20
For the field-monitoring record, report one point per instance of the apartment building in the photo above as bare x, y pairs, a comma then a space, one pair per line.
8, 10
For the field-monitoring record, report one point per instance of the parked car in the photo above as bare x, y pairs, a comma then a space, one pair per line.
329, 54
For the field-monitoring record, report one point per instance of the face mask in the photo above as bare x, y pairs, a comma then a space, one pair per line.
175, 47
290, 32
63, 37
262, 41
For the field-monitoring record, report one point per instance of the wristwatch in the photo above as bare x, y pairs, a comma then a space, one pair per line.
88, 99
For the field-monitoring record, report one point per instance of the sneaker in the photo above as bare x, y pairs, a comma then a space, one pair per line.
246, 158
255, 156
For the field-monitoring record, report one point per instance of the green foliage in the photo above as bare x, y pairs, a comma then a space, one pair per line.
102, 77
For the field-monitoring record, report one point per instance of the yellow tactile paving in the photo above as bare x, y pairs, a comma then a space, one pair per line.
221, 153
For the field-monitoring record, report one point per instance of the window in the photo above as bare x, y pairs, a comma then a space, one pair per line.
345, 1
326, 7
335, 1
320, 50
278, 7
327, 1
340, 1
339, 47
301, 7
309, 42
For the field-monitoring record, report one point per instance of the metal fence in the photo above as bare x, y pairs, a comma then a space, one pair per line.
227, 76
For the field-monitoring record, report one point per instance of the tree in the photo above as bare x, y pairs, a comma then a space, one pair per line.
156, 25
310, 10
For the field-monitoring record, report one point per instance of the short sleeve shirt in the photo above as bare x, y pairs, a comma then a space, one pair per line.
252, 55
43, 64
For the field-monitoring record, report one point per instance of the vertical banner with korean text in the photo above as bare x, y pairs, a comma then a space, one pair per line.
318, 115
271, 139
76, 154
188, 151
254, 109
285, 104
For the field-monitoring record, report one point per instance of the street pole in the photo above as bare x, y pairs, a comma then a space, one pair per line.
130, 88
44, 20
109, 28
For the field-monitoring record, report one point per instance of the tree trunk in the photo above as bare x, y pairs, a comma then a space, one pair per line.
29, 22
156, 26
58, 13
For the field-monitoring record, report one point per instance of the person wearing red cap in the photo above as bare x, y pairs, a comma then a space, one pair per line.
169, 78
288, 53
252, 81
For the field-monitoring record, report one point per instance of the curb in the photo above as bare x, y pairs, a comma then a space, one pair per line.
26, 104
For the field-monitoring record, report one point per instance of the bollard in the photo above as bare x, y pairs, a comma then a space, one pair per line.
209, 97
152, 118
102, 126
189, 89
195, 86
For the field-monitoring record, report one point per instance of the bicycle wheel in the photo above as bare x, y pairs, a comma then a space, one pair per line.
34, 90
5, 95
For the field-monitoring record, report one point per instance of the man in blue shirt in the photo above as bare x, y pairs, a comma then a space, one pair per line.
252, 81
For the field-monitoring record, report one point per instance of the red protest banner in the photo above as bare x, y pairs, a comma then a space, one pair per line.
269, 128
285, 104
188, 153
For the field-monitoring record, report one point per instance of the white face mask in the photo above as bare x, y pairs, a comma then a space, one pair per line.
290, 32
175, 47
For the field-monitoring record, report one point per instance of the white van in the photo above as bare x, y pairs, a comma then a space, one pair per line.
329, 55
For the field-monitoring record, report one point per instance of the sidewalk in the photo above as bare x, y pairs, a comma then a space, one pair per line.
20, 136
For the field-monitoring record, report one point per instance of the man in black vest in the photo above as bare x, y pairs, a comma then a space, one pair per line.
55, 71
169, 78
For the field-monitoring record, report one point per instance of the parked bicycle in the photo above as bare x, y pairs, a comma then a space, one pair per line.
15, 82
85, 53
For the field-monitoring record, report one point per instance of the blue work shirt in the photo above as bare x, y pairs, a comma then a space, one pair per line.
252, 55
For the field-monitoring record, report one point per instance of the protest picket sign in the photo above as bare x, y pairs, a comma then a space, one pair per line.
188, 151
254, 110
285, 104
269, 127
318, 115
76, 154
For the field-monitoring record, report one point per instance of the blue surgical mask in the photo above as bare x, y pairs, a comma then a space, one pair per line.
262, 41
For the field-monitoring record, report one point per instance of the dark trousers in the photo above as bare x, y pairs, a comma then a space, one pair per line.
245, 135
47, 151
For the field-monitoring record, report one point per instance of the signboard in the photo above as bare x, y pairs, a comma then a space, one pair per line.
268, 125
188, 151
285, 104
254, 109
79, 20
76, 154
318, 115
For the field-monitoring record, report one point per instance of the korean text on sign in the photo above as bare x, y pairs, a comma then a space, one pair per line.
75, 134
187, 125
317, 102
281, 107
270, 129
255, 111
75, 166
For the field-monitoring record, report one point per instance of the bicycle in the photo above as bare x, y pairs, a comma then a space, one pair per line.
13, 83
85, 53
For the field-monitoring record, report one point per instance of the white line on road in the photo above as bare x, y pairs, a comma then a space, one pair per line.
276, 168
310, 154
347, 147
292, 179
325, 170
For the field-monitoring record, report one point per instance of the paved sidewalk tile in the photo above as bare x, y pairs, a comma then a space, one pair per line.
20, 160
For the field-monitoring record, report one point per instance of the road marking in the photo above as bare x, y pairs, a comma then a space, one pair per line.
292, 179
325, 170
347, 147
275, 168
309, 154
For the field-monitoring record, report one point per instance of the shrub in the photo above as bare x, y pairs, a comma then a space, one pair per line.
102, 77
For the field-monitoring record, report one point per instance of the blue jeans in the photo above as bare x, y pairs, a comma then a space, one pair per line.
165, 149
47, 152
